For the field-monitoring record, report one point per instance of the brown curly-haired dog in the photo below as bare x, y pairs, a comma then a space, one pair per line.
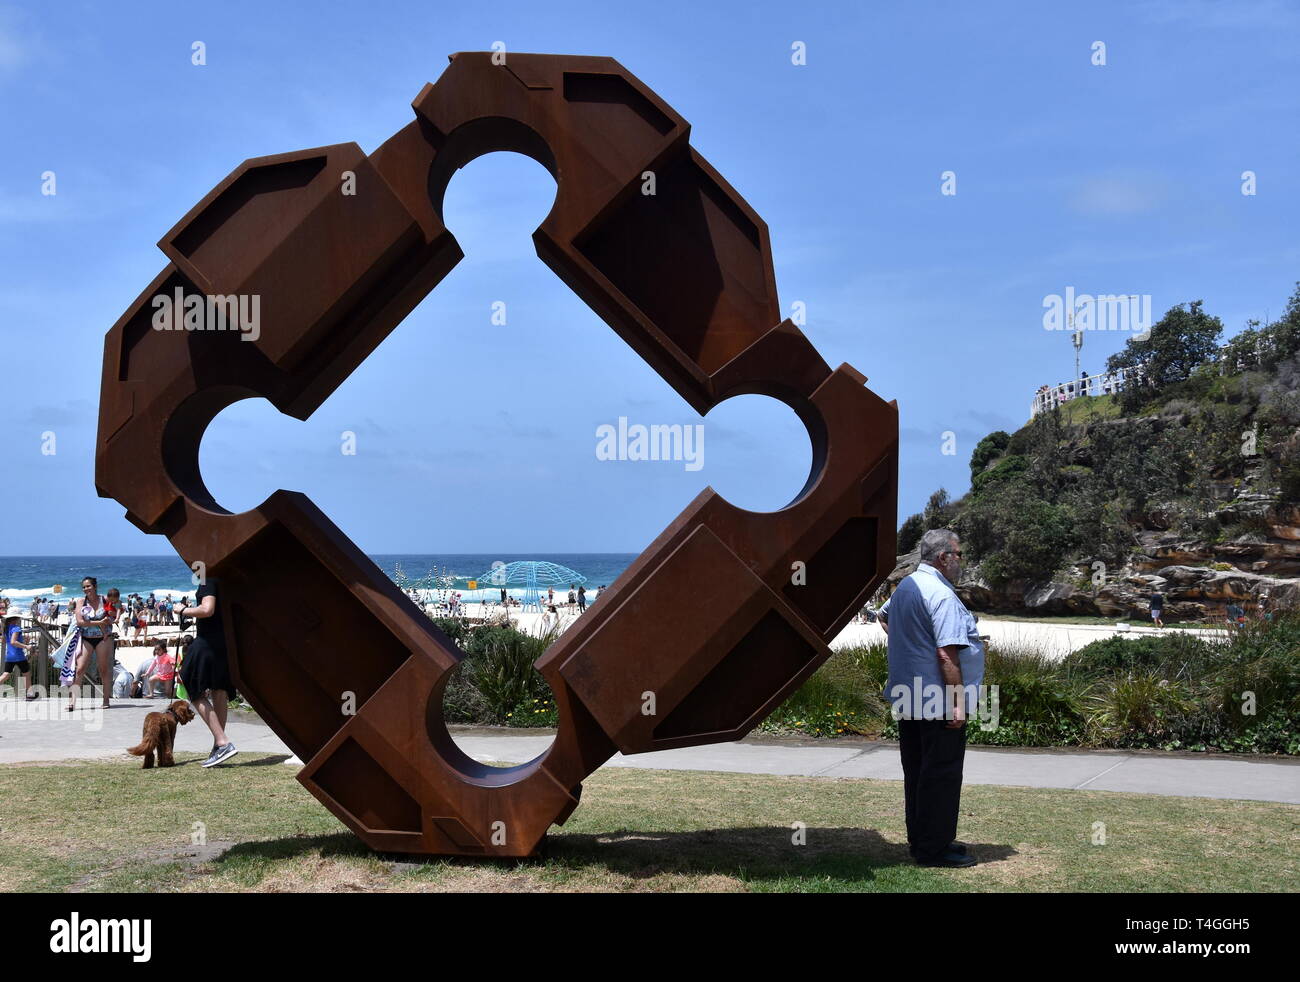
160, 733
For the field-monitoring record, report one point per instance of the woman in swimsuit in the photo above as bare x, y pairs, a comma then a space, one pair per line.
96, 625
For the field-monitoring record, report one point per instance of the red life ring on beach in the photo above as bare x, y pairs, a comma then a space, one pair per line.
684, 276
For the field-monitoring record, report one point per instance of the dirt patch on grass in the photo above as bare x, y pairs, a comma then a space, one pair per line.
188, 856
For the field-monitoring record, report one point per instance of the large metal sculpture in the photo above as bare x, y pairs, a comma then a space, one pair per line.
719, 620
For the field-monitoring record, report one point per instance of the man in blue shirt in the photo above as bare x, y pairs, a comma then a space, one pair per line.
936, 665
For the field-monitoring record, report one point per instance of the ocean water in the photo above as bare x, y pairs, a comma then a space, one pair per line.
23, 578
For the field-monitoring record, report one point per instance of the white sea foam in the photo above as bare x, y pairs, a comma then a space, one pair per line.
47, 591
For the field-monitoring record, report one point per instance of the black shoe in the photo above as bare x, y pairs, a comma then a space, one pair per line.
954, 846
948, 860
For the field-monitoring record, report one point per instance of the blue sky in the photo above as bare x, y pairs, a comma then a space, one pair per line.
1122, 178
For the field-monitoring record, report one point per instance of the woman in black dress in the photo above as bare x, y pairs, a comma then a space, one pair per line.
206, 673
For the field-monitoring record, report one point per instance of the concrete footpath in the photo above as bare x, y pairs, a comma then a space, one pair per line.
42, 731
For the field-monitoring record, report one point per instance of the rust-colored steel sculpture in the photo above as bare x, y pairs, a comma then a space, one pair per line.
716, 618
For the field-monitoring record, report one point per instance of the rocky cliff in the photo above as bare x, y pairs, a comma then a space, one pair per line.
1198, 579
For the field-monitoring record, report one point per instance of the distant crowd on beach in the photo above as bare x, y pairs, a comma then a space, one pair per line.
191, 666
453, 604
92, 636
139, 612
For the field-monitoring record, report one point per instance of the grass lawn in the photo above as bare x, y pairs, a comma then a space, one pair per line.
109, 826
1088, 409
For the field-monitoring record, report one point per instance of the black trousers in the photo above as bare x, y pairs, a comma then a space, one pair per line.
933, 754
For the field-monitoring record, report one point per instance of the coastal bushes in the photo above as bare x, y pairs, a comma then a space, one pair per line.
1173, 691
845, 695
1165, 692
496, 683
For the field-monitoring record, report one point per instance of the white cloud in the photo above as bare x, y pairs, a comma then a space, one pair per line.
1116, 195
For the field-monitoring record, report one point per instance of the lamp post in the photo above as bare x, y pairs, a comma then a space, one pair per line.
1077, 338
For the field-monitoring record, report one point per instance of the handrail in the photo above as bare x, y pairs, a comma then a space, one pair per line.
1050, 396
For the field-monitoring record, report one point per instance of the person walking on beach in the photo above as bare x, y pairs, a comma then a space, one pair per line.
934, 650
573, 598
1157, 609
206, 673
140, 623
95, 618
16, 652
582, 600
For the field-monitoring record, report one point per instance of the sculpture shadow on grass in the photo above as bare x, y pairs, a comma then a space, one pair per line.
756, 854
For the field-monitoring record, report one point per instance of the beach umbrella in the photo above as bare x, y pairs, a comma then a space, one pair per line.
533, 576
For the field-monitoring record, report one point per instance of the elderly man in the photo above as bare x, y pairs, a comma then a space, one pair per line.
936, 664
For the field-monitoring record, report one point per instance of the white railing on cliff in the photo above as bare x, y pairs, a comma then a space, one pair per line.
1050, 396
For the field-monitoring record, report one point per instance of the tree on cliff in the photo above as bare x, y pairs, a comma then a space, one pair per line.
1184, 338
939, 513
988, 450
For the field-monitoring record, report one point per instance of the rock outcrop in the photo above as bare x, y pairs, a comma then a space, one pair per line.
1197, 579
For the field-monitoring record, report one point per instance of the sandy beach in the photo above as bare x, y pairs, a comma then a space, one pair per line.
1056, 640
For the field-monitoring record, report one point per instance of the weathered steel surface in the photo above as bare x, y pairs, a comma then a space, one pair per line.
708, 618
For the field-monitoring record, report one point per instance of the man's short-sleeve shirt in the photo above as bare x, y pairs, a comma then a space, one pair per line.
925, 614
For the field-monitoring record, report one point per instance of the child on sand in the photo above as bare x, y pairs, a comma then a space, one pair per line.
161, 670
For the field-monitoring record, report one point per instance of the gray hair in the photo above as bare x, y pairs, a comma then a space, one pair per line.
935, 543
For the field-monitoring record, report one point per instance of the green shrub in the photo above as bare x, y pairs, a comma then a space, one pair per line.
1004, 470
496, 682
1179, 692
987, 451
1137, 710
843, 696
1037, 703
461, 701
534, 711
454, 628
909, 533
1114, 656
1174, 655
1033, 543
501, 667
